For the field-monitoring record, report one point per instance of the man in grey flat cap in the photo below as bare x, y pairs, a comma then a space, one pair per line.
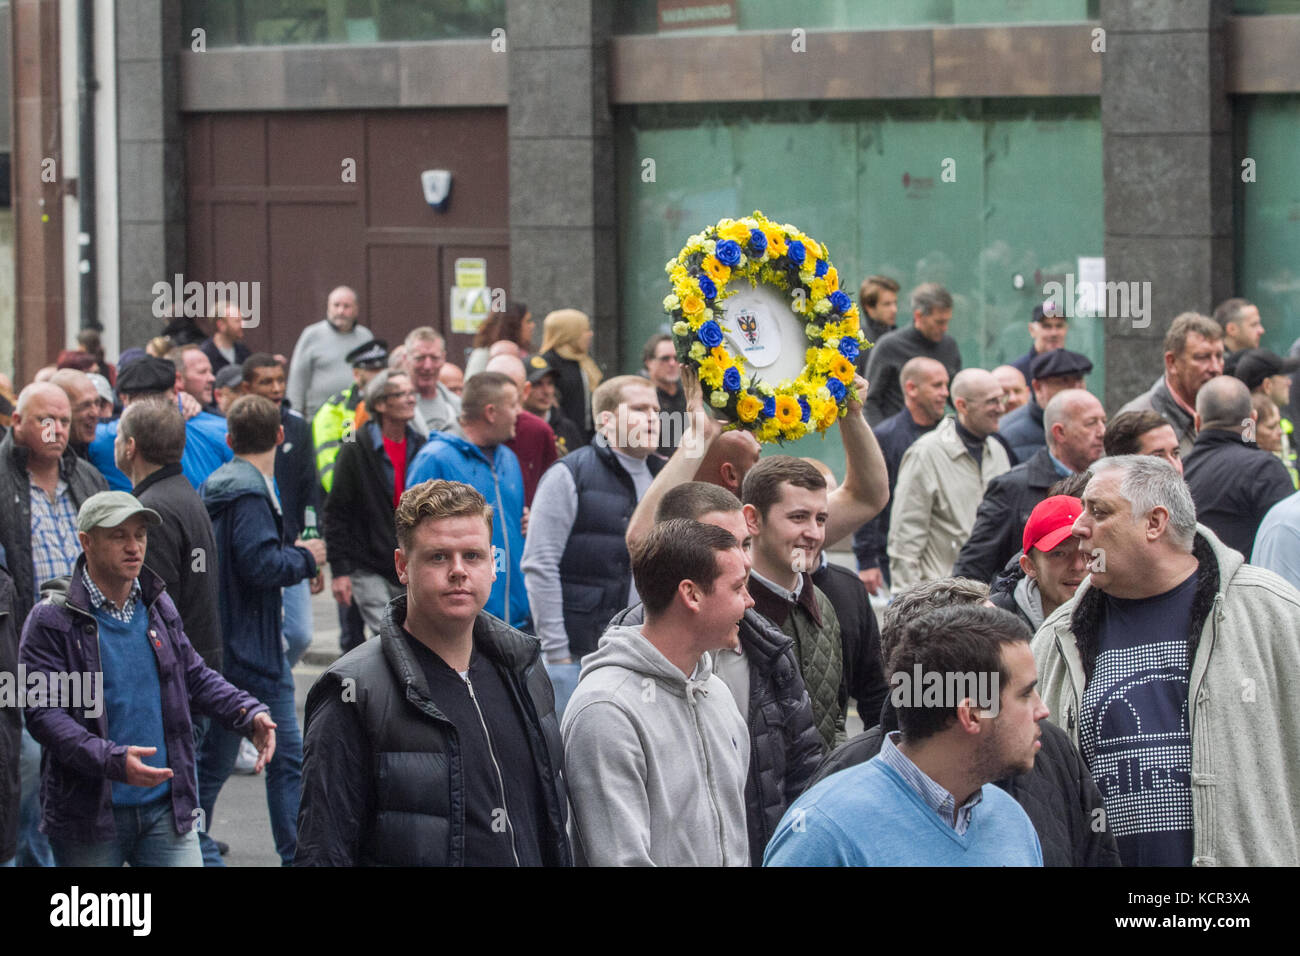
114, 717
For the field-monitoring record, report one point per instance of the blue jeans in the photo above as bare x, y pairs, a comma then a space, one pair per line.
296, 600
146, 836
564, 679
33, 847
283, 774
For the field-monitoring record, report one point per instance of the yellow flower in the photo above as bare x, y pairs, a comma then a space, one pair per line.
832, 280
824, 414
719, 273
748, 407
697, 352
787, 410
794, 431
692, 304
724, 357
776, 246
842, 369
769, 431
711, 372
737, 231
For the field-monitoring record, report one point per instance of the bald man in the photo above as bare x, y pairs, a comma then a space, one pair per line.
941, 481
319, 366
1075, 425
1015, 390
1233, 481
925, 402
534, 441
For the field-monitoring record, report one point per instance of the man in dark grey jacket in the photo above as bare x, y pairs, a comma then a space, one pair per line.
437, 744
763, 676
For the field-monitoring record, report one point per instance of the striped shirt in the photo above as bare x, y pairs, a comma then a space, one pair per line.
935, 797
54, 533
98, 601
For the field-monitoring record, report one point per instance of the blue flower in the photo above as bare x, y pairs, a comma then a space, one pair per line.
707, 288
836, 388
757, 241
769, 407
839, 301
728, 252
849, 348
731, 379
804, 410
710, 334
796, 251
822, 266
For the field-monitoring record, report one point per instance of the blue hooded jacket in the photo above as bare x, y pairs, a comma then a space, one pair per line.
501, 482
253, 563
205, 449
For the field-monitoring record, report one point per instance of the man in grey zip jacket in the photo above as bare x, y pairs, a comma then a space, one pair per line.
1234, 750
655, 750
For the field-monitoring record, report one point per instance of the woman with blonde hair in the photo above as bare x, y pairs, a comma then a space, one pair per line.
566, 344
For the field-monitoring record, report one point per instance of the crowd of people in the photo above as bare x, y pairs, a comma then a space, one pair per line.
584, 622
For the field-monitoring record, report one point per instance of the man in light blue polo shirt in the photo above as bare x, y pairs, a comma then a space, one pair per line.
964, 686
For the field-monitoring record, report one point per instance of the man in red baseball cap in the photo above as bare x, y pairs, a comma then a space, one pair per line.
1052, 562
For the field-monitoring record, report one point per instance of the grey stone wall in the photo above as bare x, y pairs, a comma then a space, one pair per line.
1167, 172
562, 192
151, 160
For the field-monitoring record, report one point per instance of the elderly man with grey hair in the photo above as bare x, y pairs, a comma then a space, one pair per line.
1176, 670
1233, 481
436, 407
369, 478
927, 336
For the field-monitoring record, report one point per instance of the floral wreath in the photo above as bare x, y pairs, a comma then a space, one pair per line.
759, 250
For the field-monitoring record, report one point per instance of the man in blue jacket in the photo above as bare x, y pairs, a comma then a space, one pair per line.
489, 407
117, 781
254, 564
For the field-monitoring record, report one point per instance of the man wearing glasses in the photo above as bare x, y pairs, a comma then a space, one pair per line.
662, 368
369, 478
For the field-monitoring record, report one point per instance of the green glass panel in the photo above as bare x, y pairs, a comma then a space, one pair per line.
289, 22
1024, 198
1268, 220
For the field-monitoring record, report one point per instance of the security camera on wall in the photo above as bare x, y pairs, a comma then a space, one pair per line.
437, 188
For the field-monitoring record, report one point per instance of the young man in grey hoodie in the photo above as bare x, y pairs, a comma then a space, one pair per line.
655, 749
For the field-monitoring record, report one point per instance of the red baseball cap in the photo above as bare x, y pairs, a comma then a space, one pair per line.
1050, 522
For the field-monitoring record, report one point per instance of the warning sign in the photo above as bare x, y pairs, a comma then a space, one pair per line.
471, 299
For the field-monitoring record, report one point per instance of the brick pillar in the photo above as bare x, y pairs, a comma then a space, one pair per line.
1168, 172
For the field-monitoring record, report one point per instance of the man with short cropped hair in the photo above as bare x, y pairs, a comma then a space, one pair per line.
575, 562
655, 750
194, 374
1242, 328
319, 366
450, 705
182, 551
785, 509
534, 441
226, 344
1233, 481
1176, 668
659, 359
436, 408
941, 480
254, 563
878, 303
118, 774
1075, 424
923, 799
928, 336
84, 399
1015, 388
762, 673
1193, 356
1143, 433
488, 410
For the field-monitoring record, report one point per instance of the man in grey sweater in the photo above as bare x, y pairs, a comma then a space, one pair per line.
319, 366
655, 750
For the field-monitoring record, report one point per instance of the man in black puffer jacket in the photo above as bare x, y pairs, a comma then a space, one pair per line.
437, 744
1059, 794
785, 746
